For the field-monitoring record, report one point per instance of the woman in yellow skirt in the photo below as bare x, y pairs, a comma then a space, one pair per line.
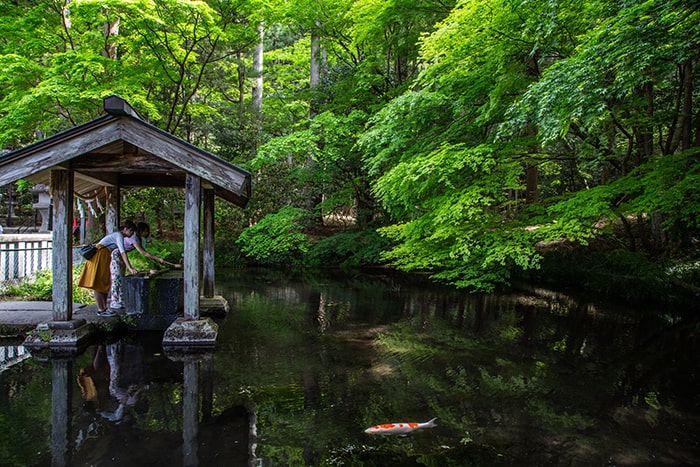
137, 242
96, 272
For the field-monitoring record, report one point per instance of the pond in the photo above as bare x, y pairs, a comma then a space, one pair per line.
302, 366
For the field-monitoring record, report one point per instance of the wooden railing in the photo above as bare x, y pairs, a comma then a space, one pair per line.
21, 255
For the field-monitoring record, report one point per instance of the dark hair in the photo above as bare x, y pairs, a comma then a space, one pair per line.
128, 225
142, 227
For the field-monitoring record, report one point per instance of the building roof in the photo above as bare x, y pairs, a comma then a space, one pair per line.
121, 149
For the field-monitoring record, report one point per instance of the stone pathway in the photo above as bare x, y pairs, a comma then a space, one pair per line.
26, 315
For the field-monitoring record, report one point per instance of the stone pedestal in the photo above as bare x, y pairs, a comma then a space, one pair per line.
196, 333
60, 335
216, 306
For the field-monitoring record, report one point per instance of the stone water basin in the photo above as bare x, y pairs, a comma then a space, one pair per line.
153, 301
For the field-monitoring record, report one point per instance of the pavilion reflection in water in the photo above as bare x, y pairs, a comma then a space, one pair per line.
122, 374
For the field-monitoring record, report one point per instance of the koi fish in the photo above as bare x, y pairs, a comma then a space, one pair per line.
401, 429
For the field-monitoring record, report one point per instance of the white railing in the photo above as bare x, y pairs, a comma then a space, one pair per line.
21, 255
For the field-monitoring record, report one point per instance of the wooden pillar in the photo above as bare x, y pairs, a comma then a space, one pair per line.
62, 261
191, 332
193, 195
208, 253
112, 209
63, 332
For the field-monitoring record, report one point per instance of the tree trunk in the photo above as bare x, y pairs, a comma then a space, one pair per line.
111, 31
687, 109
258, 70
315, 68
644, 133
364, 206
315, 196
531, 174
241, 80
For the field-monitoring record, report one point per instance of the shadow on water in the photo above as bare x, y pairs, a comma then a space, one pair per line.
302, 367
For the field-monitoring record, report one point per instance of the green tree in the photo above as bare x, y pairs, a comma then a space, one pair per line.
55, 71
455, 190
524, 115
625, 101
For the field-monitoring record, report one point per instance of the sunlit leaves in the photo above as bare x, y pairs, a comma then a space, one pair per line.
385, 35
475, 254
158, 57
405, 127
560, 86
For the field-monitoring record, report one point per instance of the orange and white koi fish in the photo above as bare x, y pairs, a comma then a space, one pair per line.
399, 428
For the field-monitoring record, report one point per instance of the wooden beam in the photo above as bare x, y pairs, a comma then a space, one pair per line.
122, 163
57, 149
193, 195
189, 158
62, 255
172, 180
101, 179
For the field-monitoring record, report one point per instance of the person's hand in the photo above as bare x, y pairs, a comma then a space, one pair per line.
133, 271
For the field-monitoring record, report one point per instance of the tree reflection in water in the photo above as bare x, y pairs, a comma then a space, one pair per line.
301, 367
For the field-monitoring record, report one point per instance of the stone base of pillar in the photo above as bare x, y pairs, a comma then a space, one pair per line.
60, 335
216, 306
196, 333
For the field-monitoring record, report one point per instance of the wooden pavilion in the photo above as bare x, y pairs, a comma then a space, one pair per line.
121, 149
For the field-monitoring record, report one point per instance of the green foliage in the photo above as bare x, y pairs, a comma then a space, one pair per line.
599, 84
169, 251
39, 287
277, 239
456, 231
462, 255
475, 134
440, 173
161, 207
62, 66
449, 180
351, 249
668, 185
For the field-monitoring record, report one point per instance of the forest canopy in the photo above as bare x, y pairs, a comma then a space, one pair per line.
469, 139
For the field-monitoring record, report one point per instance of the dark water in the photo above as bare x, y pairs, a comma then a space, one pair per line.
302, 367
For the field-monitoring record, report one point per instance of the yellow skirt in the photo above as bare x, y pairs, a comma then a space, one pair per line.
95, 274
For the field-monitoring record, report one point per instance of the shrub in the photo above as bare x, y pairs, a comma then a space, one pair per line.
350, 249
277, 239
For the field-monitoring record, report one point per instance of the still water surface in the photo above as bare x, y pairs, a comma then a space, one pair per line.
303, 366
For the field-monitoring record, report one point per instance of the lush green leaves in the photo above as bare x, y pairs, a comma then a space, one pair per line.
278, 238
473, 133
60, 64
